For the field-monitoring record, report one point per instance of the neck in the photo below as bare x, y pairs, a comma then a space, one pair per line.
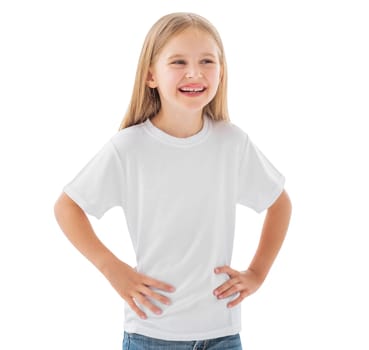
179, 125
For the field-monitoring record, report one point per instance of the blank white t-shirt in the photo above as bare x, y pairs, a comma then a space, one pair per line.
179, 199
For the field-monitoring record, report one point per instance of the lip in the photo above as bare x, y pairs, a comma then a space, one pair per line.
193, 86
192, 90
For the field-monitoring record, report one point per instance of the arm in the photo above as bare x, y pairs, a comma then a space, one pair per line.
127, 282
272, 236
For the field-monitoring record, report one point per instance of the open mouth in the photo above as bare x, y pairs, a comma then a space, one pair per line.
192, 90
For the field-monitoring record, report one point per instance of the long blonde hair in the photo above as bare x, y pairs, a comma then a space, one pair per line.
145, 101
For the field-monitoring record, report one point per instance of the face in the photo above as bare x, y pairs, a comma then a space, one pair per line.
186, 72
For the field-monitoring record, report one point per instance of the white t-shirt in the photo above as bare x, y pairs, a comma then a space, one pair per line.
179, 198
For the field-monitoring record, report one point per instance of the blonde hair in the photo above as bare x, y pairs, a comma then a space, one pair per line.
145, 101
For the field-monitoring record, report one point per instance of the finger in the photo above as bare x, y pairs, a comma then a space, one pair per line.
228, 284
159, 284
136, 309
146, 302
225, 286
150, 293
233, 290
238, 300
226, 269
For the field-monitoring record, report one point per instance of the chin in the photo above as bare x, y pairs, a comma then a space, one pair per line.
195, 106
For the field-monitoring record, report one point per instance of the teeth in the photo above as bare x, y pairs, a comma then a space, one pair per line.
192, 89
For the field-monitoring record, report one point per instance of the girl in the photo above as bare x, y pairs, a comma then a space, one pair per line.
178, 167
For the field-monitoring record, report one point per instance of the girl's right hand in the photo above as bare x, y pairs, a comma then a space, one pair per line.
133, 286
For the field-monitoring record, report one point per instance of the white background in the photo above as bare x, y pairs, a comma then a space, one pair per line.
298, 85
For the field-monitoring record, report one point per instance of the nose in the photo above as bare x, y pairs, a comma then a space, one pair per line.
193, 71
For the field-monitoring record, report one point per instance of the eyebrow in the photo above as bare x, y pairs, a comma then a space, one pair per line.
181, 56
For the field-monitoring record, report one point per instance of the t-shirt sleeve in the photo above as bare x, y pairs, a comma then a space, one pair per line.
99, 185
260, 183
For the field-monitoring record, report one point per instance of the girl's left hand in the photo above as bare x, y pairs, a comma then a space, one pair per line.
243, 282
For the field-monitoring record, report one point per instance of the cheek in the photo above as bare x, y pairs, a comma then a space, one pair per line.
214, 78
171, 79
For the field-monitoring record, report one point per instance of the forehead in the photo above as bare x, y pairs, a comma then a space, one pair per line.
190, 41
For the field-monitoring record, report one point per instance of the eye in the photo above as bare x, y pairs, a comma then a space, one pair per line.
207, 61
179, 62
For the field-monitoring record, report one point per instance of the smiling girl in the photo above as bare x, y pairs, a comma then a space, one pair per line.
178, 167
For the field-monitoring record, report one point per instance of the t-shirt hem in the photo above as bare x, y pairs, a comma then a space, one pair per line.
81, 202
277, 192
183, 337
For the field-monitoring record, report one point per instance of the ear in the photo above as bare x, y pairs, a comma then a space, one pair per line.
150, 80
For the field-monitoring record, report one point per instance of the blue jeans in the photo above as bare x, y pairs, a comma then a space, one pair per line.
133, 341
